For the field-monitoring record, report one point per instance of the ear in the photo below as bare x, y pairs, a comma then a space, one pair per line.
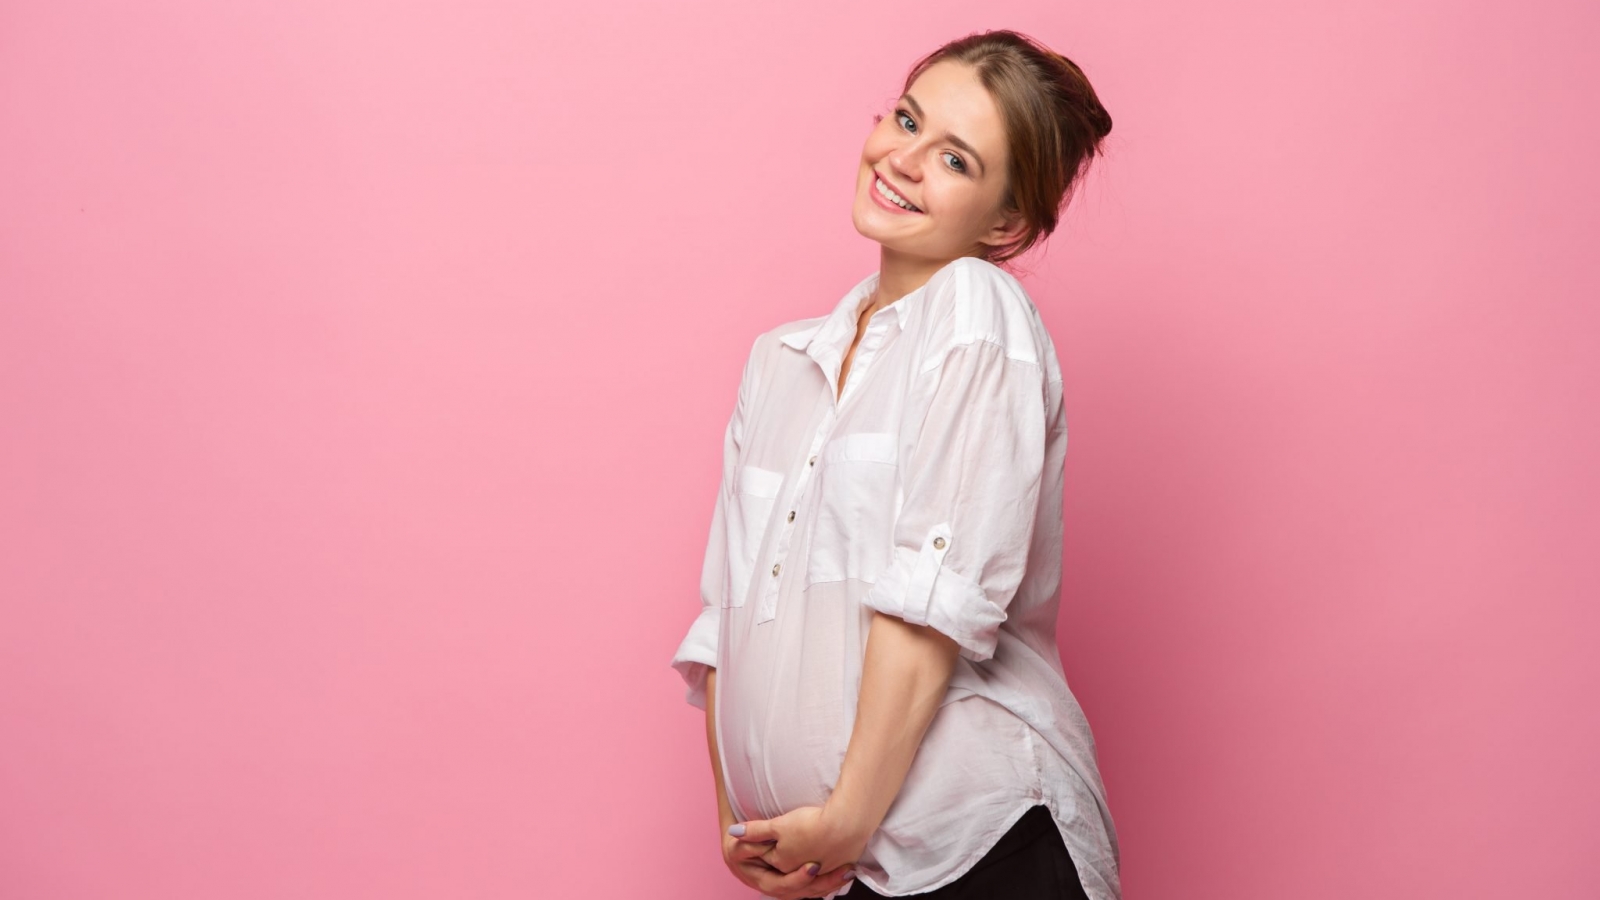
1012, 225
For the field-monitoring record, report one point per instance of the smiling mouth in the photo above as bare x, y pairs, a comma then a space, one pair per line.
888, 194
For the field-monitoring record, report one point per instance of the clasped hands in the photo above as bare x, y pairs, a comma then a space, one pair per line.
806, 852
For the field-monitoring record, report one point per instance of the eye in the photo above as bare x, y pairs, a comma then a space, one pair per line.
902, 116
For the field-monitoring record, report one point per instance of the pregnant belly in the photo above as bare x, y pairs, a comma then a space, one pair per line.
786, 699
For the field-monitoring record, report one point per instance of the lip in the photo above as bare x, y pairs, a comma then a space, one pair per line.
883, 201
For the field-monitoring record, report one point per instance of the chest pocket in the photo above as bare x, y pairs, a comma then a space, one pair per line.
851, 532
754, 494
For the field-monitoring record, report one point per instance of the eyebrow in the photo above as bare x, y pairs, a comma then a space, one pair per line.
917, 108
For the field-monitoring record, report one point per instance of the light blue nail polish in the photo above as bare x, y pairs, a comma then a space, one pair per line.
737, 830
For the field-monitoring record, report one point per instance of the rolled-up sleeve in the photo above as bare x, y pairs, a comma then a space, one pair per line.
697, 652
971, 496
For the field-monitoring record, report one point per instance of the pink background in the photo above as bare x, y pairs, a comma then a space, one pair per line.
363, 368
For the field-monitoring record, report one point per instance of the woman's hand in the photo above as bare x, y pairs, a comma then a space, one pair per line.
804, 840
750, 863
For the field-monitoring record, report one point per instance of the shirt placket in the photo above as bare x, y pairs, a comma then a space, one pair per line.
871, 342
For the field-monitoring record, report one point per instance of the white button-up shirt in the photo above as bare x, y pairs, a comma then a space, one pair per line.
930, 490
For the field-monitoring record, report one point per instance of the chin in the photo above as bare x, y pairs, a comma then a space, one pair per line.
867, 227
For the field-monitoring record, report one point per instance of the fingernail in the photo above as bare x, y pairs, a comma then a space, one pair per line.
736, 830
813, 869
850, 874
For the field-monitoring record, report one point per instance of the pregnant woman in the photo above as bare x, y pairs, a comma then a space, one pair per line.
885, 704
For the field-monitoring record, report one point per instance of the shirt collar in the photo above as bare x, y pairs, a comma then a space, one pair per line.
835, 332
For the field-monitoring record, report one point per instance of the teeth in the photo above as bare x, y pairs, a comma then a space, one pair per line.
894, 198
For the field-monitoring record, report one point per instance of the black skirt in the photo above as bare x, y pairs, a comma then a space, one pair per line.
1029, 861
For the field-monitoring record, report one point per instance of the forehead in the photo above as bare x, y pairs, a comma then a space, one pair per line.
955, 101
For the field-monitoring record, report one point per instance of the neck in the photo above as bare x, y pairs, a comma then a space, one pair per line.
899, 275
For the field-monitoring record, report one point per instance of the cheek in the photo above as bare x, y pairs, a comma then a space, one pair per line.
951, 200
961, 209
880, 141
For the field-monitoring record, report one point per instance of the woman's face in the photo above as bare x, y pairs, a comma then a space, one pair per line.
943, 150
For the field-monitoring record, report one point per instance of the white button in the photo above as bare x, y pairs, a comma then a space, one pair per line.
938, 543
812, 461
775, 567
791, 515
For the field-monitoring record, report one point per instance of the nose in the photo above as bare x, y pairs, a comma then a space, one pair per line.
906, 160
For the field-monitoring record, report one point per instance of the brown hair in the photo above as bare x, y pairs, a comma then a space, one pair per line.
1054, 124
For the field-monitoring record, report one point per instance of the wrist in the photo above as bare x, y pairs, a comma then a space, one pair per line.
847, 822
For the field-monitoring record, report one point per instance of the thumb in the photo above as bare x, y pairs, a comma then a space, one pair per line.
755, 831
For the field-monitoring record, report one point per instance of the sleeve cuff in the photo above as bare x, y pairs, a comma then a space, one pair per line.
920, 589
698, 653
